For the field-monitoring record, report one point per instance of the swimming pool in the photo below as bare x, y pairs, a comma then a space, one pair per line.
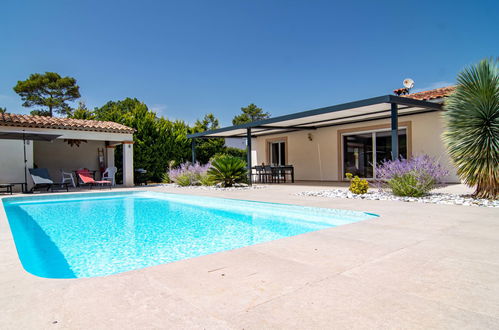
86, 235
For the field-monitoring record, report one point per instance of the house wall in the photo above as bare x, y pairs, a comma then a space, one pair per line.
239, 143
12, 161
57, 155
320, 159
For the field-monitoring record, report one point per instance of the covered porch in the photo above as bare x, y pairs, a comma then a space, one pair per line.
322, 144
85, 145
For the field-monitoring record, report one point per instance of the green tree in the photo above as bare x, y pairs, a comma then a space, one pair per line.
207, 148
472, 133
209, 122
249, 114
81, 112
48, 90
3, 110
157, 140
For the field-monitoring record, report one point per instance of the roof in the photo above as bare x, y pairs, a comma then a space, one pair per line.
352, 112
15, 120
432, 94
27, 135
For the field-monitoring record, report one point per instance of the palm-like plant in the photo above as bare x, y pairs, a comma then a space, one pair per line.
228, 170
472, 134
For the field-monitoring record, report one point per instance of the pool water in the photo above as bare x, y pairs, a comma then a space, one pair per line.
86, 235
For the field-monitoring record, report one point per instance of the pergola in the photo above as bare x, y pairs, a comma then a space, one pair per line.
381, 107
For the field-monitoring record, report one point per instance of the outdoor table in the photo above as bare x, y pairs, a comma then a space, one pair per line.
7, 187
277, 173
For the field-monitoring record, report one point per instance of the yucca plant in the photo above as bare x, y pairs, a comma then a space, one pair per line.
472, 133
228, 170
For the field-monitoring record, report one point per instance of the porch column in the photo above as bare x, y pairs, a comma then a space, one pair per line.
395, 127
128, 163
193, 149
29, 159
248, 154
110, 156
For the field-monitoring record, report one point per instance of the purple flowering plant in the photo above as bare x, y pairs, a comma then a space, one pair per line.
413, 177
188, 174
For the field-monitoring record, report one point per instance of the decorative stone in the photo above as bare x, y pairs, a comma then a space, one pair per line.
216, 187
433, 198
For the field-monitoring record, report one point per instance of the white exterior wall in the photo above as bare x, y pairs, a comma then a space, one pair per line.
128, 164
57, 155
239, 143
12, 161
110, 156
318, 159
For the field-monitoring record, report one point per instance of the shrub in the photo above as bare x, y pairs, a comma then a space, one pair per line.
188, 174
357, 185
228, 170
186, 179
165, 178
234, 152
413, 177
472, 133
207, 180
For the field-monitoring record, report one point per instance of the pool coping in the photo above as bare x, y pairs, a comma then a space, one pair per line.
111, 194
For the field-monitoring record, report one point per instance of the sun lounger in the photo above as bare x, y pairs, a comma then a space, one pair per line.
41, 179
87, 178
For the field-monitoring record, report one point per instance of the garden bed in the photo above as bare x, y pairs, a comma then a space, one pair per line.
432, 198
216, 187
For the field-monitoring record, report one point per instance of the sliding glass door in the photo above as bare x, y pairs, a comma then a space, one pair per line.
358, 155
362, 150
277, 153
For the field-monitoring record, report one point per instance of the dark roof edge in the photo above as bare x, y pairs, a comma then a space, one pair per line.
319, 111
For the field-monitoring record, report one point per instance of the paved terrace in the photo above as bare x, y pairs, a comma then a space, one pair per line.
418, 266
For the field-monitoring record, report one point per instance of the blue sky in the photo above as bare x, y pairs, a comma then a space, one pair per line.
188, 58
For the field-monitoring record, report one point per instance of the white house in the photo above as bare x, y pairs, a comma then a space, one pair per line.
324, 144
61, 144
238, 143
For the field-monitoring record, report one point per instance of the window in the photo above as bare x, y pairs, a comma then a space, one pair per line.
277, 153
362, 150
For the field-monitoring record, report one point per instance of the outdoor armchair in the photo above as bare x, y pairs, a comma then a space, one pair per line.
110, 174
67, 177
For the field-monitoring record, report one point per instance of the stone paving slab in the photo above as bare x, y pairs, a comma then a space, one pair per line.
417, 266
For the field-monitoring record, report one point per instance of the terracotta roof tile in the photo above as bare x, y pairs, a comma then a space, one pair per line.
10, 119
432, 94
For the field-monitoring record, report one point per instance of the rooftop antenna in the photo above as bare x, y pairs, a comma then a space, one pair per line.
408, 84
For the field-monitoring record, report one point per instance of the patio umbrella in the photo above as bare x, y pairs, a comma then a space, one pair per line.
27, 135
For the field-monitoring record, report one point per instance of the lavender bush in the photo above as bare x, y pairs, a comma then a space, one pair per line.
188, 174
413, 177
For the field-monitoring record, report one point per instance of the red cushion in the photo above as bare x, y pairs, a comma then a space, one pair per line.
86, 176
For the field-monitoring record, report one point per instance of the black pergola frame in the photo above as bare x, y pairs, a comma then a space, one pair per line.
394, 104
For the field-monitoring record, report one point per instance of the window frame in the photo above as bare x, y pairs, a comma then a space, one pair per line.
373, 130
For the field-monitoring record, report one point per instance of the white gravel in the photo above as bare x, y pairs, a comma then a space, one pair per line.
433, 198
217, 188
